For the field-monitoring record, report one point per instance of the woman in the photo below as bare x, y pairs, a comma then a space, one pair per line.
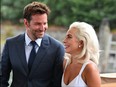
80, 64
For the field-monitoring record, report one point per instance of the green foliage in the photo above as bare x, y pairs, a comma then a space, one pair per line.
63, 13
12, 9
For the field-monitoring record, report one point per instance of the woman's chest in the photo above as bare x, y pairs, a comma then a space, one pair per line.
71, 72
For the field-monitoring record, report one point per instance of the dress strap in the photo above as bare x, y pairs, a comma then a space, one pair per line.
83, 67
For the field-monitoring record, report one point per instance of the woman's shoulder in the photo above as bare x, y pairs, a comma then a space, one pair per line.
91, 73
91, 66
91, 70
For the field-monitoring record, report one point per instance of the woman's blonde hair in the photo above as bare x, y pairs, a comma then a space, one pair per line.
87, 34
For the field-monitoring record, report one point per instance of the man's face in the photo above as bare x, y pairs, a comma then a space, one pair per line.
37, 26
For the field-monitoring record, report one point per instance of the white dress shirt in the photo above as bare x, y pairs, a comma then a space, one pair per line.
28, 46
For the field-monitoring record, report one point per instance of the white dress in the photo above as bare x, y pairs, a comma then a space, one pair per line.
77, 81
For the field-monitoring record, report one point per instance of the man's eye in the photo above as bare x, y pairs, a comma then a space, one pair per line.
45, 23
36, 24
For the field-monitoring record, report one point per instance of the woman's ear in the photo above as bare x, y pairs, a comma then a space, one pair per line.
80, 43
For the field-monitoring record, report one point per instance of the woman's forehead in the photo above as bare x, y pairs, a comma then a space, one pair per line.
72, 30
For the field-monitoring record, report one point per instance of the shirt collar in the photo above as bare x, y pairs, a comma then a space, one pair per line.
28, 40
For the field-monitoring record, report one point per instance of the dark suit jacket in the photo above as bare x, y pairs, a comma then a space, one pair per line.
47, 67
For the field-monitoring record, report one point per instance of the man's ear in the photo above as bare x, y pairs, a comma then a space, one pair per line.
26, 23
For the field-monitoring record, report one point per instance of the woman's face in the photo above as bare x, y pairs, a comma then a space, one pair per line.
71, 42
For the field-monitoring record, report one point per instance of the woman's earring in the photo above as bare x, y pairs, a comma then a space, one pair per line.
79, 46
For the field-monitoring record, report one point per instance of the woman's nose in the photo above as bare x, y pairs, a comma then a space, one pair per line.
64, 41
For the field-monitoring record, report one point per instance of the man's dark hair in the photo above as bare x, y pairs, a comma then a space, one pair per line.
35, 8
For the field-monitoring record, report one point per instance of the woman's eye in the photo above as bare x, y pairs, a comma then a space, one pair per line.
69, 36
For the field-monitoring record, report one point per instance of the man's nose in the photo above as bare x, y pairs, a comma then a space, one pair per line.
42, 27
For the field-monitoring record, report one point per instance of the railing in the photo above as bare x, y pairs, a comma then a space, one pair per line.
108, 79
111, 67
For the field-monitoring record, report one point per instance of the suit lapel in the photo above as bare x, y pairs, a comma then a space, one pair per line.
40, 54
21, 52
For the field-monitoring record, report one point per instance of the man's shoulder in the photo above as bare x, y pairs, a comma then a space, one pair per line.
15, 37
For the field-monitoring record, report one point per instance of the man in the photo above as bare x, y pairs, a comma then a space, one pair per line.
45, 69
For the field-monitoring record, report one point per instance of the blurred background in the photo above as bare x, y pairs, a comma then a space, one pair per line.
100, 13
